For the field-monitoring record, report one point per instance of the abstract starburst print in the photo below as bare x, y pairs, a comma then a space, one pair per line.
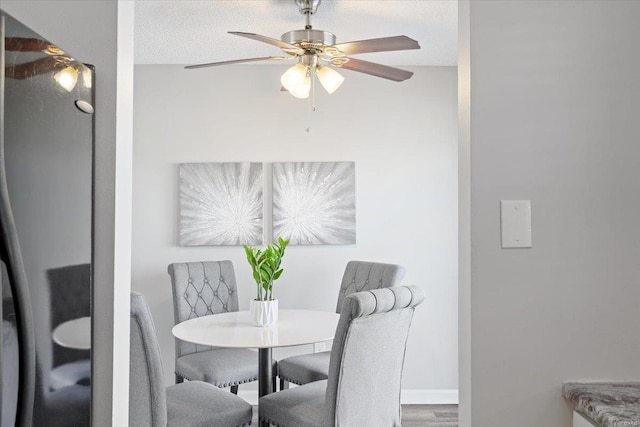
220, 204
315, 203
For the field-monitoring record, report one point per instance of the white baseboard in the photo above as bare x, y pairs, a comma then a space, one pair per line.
409, 397
429, 397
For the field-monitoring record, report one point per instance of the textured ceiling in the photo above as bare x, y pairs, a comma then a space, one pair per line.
192, 32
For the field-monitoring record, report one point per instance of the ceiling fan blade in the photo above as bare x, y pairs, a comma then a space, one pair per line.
33, 68
236, 61
289, 48
378, 70
21, 44
383, 44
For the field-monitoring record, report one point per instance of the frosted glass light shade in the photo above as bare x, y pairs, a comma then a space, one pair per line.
67, 78
87, 78
296, 81
329, 78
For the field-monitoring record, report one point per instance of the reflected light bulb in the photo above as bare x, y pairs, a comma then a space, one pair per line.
67, 78
296, 81
329, 78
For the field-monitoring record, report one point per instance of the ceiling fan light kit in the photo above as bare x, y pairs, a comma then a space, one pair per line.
67, 78
329, 78
296, 81
316, 52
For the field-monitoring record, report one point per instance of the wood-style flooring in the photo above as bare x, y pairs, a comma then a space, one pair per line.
429, 415
416, 416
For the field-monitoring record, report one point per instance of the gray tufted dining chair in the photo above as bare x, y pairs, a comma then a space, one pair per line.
70, 293
190, 404
199, 289
365, 370
358, 276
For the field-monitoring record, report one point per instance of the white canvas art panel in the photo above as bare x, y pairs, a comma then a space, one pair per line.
221, 204
314, 203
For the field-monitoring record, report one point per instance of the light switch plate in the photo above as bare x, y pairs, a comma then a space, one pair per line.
515, 217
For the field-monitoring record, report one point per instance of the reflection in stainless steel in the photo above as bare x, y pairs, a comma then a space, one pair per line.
84, 106
46, 216
10, 357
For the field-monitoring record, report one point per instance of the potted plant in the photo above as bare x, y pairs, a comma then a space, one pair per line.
265, 264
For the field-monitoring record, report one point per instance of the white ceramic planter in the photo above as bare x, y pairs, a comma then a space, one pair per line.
264, 313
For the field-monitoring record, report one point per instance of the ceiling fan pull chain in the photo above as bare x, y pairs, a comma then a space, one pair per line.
311, 100
313, 88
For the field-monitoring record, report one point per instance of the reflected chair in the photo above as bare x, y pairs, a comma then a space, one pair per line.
189, 404
63, 406
204, 288
358, 276
365, 371
70, 293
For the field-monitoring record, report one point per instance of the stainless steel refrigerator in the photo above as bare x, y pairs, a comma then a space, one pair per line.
46, 229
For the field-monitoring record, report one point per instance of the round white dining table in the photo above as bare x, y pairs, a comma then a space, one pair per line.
235, 330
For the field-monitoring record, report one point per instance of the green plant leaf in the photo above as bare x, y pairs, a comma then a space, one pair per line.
265, 265
265, 276
250, 256
282, 243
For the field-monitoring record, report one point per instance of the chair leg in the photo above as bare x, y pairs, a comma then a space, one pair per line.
284, 384
179, 379
234, 389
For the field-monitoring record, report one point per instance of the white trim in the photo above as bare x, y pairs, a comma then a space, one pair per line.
464, 212
409, 397
123, 203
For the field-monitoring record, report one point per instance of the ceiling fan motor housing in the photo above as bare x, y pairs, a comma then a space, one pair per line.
297, 37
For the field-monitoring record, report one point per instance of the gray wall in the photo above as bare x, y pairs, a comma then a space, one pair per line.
555, 100
402, 137
88, 29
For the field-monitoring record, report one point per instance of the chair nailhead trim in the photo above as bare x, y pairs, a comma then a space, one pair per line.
288, 380
271, 422
183, 377
236, 382
223, 385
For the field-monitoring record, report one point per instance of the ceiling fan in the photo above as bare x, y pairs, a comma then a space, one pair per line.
317, 54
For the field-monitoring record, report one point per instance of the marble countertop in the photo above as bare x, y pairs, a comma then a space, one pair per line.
606, 404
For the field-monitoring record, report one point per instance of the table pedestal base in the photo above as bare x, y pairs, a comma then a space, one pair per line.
265, 376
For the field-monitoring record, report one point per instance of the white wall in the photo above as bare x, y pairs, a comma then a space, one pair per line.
555, 99
88, 29
402, 137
